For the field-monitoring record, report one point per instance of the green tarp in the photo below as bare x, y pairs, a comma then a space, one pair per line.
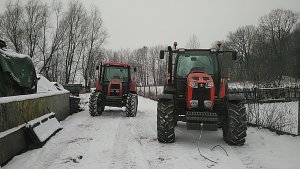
17, 74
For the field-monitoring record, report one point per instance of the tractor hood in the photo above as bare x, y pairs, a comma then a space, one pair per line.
115, 88
200, 91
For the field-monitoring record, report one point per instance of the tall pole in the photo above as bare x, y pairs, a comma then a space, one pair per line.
145, 74
298, 115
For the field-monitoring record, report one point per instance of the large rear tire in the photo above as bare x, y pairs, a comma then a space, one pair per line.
235, 124
165, 121
95, 104
131, 105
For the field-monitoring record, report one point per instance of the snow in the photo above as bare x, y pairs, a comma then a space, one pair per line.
28, 97
44, 88
44, 85
45, 129
115, 141
12, 130
11, 53
282, 116
151, 89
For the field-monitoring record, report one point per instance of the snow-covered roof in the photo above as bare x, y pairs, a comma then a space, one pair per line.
44, 85
44, 88
11, 53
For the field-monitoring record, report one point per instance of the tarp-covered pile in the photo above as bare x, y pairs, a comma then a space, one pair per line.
17, 74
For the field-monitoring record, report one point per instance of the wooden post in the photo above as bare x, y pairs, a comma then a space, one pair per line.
149, 93
299, 116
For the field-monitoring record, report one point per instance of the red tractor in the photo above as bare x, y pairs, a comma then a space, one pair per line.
196, 94
115, 88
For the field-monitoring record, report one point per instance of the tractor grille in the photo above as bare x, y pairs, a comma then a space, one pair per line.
115, 90
115, 86
201, 93
194, 120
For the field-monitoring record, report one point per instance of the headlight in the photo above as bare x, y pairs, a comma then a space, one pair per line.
209, 85
194, 103
193, 84
208, 104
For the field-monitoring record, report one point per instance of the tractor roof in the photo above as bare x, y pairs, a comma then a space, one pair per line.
197, 49
115, 64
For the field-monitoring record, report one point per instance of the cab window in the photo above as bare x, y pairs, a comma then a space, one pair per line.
188, 63
116, 72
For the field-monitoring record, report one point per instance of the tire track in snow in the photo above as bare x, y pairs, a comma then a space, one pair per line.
127, 152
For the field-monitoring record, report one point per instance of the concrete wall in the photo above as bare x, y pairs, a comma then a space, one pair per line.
14, 113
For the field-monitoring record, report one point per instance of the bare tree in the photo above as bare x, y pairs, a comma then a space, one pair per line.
276, 27
2, 24
154, 60
12, 25
242, 41
35, 15
95, 38
294, 52
50, 63
193, 42
42, 44
74, 19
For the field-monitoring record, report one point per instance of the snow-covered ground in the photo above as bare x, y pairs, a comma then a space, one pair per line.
282, 116
115, 141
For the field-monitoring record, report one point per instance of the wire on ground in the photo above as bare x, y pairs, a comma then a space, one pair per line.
200, 136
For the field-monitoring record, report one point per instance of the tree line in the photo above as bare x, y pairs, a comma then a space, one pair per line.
67, 44
269, 54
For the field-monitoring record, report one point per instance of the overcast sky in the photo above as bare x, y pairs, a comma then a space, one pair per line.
135, 23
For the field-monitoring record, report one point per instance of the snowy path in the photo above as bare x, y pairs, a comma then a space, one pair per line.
115, 141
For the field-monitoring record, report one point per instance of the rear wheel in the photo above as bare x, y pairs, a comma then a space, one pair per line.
235, 124
95, 104
165, 121
131, 105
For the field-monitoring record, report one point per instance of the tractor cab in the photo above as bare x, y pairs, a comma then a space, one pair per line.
195, 69
114, 78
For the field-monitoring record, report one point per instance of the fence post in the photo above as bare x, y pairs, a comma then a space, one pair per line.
299, 116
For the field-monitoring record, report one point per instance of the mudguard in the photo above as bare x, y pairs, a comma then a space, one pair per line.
169, 89
132, 88
231, 96
223, 88
236, 96
98, 86
165, 97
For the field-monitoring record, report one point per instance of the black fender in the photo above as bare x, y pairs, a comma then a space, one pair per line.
236, 96
165, 97
233, 95
169, 89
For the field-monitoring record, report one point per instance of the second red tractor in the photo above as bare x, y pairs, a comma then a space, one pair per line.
114, 88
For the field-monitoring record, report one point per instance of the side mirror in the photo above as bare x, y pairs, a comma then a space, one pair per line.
234, 55
134, 69
97, 67
162, 54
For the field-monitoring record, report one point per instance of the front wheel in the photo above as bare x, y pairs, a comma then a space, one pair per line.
131, 105
95, 104
165, 121
235, 124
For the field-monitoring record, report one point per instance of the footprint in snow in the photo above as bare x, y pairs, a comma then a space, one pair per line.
74, 160
80, 140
